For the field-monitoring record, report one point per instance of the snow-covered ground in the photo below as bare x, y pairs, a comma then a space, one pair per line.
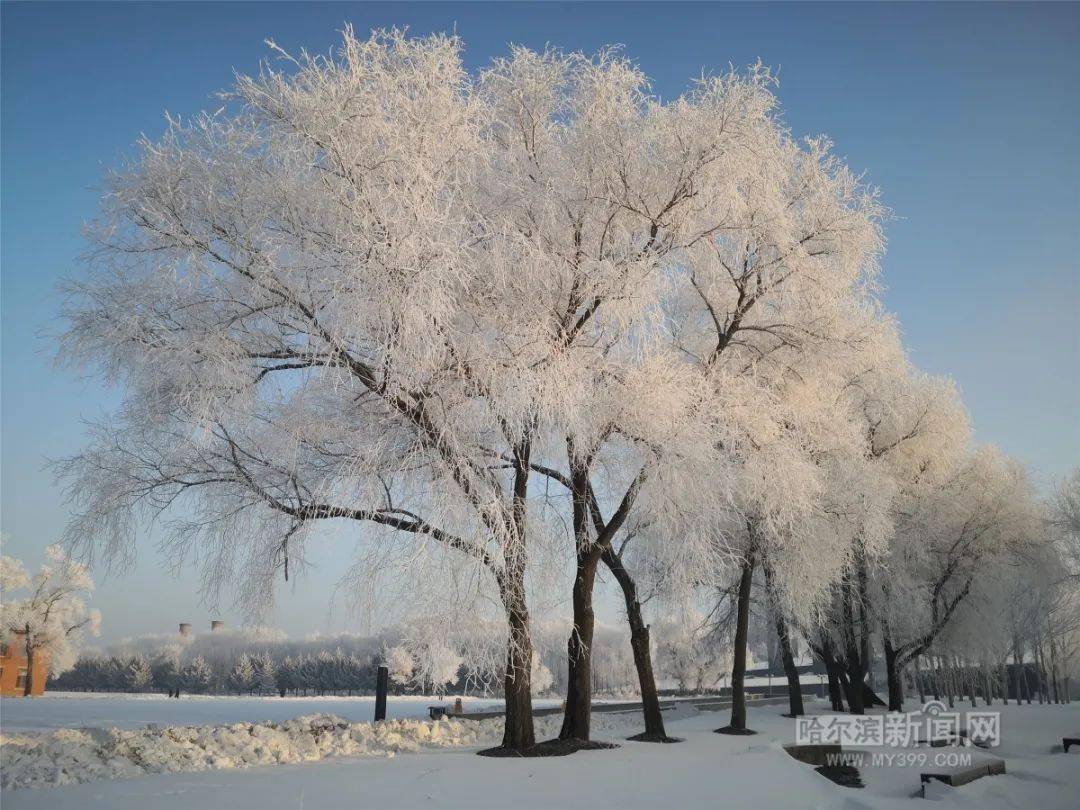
56, 710
707, 770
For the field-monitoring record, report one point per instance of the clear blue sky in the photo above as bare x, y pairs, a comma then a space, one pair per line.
966, 116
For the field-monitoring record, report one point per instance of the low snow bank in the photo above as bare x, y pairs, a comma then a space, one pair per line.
72, 756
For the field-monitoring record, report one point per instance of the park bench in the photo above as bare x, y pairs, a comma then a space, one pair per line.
947, 740
825, 759
961, 739
816, 754
955, 777
1067, 741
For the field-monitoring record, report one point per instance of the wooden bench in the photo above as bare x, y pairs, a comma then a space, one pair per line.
1067, 741
956, 777
816, 754
959, 739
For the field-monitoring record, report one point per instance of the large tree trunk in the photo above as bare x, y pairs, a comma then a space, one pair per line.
832, 671
1052, 643
791, 672
579, 645
853, 690
1016, 670
738, 669
640, 644
28, 685
519, 734
892, 671
836, 692
1022, 686
970, 675
856, 632
919, 682
1040, 669
579, 650
953, 680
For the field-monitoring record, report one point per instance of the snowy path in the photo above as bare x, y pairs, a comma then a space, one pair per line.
706, 771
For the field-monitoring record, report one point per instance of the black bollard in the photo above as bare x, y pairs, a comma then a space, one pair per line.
380, 693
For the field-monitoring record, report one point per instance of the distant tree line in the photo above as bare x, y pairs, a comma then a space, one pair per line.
264, 662
241, 662
253, 673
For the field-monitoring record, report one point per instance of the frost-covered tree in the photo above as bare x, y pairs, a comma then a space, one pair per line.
166, 672
951, 536
400, 664
242, 677
396, 314
288, 675
320, 316
197, 676
542, 679
691, 653
140, 675
51, 616
753, 244
1065, 514
265, 673
916, 432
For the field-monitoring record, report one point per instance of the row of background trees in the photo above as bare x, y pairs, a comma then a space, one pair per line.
525, 329
263, 661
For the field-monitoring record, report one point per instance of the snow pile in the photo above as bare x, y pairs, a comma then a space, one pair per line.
72, 756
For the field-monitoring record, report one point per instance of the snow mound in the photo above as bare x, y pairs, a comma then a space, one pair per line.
73, 756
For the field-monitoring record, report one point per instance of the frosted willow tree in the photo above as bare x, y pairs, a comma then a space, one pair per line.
804, 490
47, 613
755, 243
844, 504
1011, 607
1065, 514
915, 432
321, 310
768, 295
582, 180
771, 304
946, 539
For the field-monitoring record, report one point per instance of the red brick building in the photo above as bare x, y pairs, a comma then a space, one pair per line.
13, 671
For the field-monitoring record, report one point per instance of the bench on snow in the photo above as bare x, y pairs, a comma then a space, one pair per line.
960, 739
1067, 741
956, 777
816, 754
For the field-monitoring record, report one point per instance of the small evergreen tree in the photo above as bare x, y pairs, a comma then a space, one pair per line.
242, 678
265, 673
139, 674
197, 675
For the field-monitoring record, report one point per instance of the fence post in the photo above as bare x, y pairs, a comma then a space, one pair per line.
380, 693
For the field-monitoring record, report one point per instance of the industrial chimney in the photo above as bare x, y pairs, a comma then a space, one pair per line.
185, 629
216, 624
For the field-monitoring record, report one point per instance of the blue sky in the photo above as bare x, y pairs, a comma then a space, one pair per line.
965, 115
